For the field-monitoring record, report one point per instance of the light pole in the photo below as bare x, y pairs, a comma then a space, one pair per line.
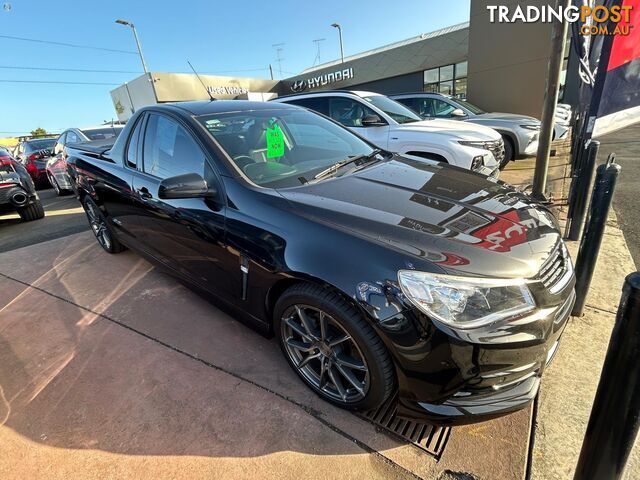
135, 35
337, 25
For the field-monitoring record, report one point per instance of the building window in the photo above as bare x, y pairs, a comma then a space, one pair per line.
432, 76
447, 79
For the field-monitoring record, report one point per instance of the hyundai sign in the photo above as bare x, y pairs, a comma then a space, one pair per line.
322, 80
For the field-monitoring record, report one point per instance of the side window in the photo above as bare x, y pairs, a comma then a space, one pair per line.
425, 107
348, 112
60, 143
411, 103
131, 157
169, 150
72, 137
442, 108
320, 105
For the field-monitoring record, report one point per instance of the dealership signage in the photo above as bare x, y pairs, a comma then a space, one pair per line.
322, 80
227, 90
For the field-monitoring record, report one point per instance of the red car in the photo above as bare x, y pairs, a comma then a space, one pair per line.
33, 154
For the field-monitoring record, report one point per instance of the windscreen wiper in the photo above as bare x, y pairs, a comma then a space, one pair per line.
336, 166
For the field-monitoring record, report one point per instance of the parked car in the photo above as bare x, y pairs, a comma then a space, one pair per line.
60, 174
392, 126
375, 271
33, 153
17, 191
520, 132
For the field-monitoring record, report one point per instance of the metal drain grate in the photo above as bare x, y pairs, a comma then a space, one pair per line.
430, 438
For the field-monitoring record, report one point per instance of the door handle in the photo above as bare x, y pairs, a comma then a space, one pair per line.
144, 193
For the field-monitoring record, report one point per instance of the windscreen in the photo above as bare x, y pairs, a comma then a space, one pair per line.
102, 133
42, 144
282, 148
395, 110
470, 106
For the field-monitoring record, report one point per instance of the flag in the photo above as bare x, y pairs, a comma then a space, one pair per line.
620, 101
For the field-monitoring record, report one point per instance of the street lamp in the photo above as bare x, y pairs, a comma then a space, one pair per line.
135, 35
337, 25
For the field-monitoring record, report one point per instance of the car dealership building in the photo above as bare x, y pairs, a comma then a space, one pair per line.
498, 66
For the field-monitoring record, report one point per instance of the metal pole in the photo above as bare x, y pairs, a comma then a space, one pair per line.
339, 27
578, 207
605, 184
615, 415
135, 35
271, 71
558, 37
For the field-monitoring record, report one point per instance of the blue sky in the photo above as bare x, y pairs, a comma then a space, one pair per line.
221, 37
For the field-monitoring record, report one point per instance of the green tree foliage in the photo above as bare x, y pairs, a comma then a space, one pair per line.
38, 131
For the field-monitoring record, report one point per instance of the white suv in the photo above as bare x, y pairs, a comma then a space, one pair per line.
392, 126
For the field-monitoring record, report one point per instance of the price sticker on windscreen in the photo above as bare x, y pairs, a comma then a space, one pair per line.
275, 142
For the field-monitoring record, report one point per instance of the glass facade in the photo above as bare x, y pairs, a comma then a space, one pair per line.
447, 79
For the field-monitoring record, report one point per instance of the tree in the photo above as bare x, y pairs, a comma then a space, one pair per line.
38, 132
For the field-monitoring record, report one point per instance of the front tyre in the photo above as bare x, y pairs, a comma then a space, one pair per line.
509, 152
332, 348
100, 227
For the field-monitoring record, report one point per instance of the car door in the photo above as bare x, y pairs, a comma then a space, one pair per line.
187, 235
57, 165
351, 113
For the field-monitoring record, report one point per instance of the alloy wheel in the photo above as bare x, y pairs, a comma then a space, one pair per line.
98, 225
324, 353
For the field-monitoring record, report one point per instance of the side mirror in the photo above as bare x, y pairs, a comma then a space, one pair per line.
189, 185
372, 121
458, 112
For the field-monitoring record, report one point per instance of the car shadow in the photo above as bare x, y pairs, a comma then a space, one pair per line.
63, 216
104, 352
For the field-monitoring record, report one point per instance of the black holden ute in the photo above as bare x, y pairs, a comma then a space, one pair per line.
377, 273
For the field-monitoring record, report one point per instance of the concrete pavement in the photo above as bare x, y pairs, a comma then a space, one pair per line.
110, 368
625, 144
63, 216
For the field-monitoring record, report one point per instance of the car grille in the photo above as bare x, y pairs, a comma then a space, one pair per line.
496, 148
554, 267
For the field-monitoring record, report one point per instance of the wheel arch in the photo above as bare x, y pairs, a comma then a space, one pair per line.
514, 140
281, 286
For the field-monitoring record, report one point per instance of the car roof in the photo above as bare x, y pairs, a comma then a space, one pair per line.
324, 93
420, 94
223, 106
39, 139
95, 127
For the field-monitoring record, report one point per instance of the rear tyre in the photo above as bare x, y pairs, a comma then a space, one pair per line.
100, 227
35, 211
332, 348
508, 152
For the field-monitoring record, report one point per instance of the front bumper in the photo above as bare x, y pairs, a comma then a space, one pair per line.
466, 380
528, 141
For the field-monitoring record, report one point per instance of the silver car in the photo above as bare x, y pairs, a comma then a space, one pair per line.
520, 132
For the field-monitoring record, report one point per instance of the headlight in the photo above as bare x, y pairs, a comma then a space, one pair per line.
475, 143
531, 127
477, 163
466, 302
